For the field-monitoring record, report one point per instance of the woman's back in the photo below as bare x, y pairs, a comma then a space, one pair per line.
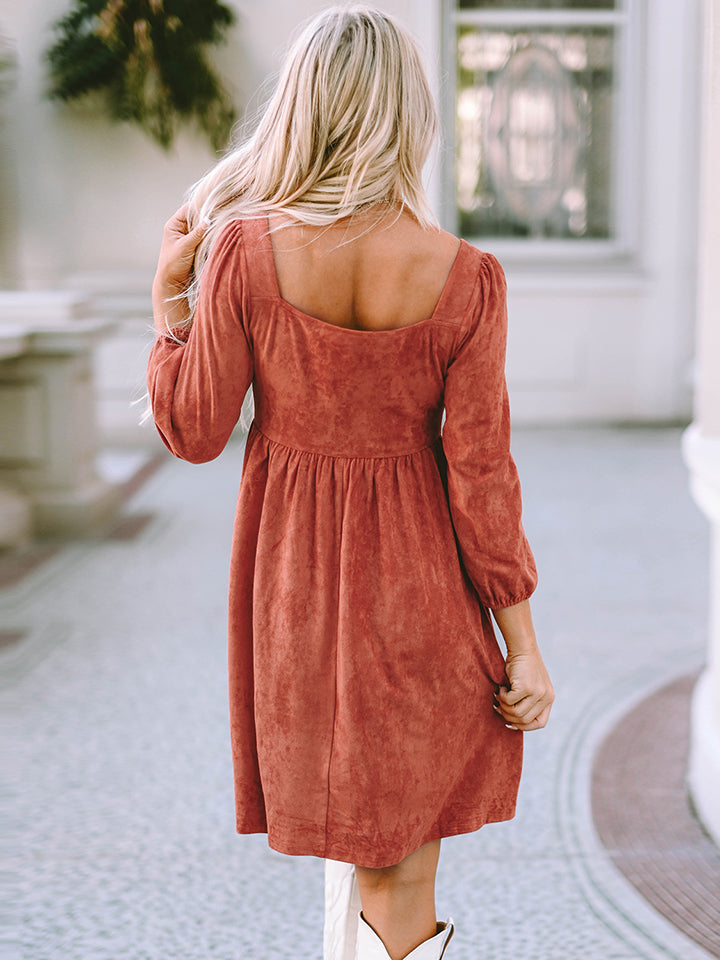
377, 272
351, 360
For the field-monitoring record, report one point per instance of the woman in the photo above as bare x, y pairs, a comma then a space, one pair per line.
372, 711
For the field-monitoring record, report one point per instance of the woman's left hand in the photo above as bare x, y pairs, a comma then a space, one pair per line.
177, 252
526, 704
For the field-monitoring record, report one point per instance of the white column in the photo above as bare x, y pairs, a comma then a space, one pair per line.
47, 414
701, 441
8, 166
15, 512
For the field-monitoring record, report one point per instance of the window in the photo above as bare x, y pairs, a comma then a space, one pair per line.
538, 117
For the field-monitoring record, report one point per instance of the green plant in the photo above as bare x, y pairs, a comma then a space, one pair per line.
147, 58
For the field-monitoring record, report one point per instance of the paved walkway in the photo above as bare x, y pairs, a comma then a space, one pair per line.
115, 692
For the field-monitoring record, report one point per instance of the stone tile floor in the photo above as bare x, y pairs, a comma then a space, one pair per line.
115, 699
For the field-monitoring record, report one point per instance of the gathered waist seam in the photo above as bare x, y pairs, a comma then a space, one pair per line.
333, 456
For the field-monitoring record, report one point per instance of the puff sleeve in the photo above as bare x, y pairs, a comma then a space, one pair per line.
197, 387
482, 481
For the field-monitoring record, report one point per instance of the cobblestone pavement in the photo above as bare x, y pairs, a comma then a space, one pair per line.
115, 697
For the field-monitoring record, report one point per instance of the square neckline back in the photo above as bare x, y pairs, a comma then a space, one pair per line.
435, 316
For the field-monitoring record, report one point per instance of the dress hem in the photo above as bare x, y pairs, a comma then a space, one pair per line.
284, 838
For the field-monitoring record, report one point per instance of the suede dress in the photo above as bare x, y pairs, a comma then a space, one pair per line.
378, 520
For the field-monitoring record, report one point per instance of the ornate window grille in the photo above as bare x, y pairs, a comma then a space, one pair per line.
538, 120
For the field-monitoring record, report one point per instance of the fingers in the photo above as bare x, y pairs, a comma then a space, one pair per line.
178, 228
177, 224
525, 713
179, 242
536, 724
518, 703
511, 695
198, 232
528, 713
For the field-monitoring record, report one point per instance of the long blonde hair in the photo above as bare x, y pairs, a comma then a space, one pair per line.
349, 125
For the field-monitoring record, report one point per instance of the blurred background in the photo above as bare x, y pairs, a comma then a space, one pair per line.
581, 144
571, 137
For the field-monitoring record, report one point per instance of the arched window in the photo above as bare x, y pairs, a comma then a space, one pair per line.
540, 120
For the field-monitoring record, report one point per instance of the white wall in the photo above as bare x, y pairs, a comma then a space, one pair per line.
614, 341
593, 342
93, 194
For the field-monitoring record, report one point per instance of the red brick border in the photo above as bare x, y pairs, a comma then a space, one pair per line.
644, 816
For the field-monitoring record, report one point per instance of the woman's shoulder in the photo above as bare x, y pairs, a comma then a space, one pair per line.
439, 245
445, 242
234, 239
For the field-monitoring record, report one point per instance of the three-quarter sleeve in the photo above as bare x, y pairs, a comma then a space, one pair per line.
197, 387
482, 481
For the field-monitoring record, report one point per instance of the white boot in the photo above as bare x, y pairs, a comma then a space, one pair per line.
371, 947
342, 909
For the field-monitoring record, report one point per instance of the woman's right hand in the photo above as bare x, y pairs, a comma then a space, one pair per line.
175, 262
177, 251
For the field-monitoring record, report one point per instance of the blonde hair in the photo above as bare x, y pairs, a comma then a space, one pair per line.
349, 125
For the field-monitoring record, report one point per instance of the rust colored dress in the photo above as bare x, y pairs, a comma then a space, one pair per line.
367, 548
